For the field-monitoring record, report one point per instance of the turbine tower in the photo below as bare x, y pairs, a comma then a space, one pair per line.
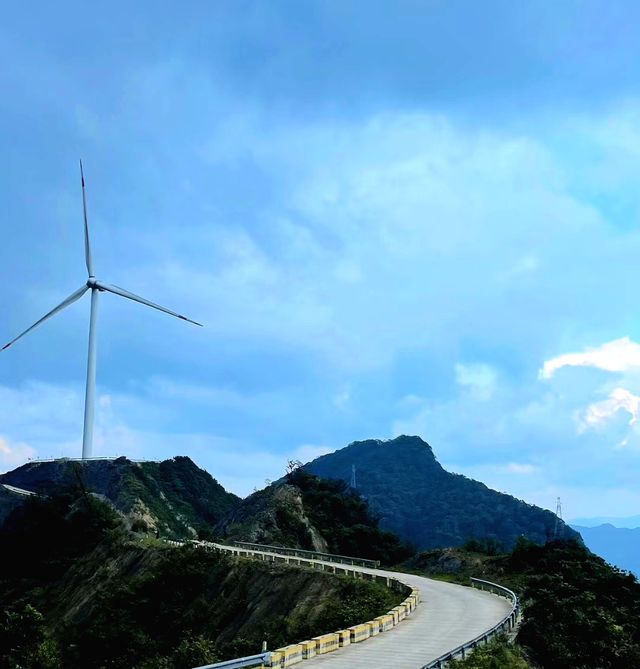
96, 287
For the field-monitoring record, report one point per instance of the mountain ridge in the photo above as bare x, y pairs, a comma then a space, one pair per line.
172, 497
415, 497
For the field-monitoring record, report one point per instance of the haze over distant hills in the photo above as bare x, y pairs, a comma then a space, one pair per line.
617, 540
618, 545
629, 522
424, 504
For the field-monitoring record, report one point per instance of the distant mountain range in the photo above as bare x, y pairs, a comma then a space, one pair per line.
617, 545
428, 506
629, 522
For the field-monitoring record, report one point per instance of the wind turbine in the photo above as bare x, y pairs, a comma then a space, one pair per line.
96, 287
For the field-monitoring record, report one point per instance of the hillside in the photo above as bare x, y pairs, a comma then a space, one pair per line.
275, 516
101, 595
423, 503
579, 612
171, 498
9, 500
305, 511
618, 545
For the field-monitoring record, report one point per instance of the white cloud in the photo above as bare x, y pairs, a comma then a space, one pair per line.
588, 499
619, 355
371, 249
50, 418
379, 238
527, 264
479, 379
170, 389
599, 413
342, 398
308, 452
13, 454
46, 416
521, 468
411, 401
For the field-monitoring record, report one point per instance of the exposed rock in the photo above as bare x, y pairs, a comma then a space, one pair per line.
173, 497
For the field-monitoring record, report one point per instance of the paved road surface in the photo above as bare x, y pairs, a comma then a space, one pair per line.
448, 616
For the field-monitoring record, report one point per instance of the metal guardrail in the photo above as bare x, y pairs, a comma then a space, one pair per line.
295, 556
309, 555
507, 623
335, 566
238, 663
97, 457
19, 491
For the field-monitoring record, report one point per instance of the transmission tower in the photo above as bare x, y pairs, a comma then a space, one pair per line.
557, 532
353, 476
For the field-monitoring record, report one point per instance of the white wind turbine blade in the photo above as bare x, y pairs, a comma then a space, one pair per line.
87, 241
70, 300
125, 293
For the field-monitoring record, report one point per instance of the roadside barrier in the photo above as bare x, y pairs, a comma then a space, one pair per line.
326, 643
505, 625
310, 555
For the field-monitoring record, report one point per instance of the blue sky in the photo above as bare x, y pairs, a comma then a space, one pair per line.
392, 217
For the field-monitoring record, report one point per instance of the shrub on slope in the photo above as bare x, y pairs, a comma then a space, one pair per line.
343, 517
78, 589
579, 611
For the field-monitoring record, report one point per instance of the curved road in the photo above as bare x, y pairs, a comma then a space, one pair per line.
448, 616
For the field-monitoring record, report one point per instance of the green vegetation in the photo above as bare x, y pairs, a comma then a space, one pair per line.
177, 493
344, 520
422, 503
173, 498
305, 511
24, 642
579, 612
42, 540
497, 654
79, 589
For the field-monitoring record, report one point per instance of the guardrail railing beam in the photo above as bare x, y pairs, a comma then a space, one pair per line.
508, 620
238, 663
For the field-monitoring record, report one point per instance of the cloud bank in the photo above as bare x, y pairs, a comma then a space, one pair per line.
620, 355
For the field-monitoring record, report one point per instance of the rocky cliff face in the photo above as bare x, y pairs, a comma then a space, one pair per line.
173, 497
423, 503
306, 511
276, 516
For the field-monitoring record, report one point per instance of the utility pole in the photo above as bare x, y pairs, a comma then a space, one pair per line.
353, 476
557, 532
